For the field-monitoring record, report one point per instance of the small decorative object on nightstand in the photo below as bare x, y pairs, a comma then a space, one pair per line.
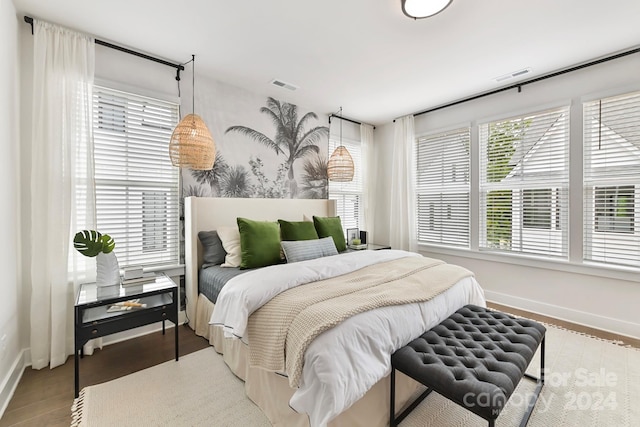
353, 239
92, 243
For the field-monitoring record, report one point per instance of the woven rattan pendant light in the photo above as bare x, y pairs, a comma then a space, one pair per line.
191, 144
340, 167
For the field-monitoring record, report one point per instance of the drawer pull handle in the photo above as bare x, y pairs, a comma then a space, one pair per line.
95, 331
164, 307
164, 314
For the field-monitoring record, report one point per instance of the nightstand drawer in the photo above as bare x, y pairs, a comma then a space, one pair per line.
101, 314
122, 322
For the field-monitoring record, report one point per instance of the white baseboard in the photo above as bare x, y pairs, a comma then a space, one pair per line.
11, 381
616, 326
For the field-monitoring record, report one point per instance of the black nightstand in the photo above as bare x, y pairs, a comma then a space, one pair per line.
92, 320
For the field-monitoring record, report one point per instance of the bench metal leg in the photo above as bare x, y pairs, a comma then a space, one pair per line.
392, 403
393, 420
536, 393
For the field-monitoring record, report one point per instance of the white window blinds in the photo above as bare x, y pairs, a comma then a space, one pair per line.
442, 187
137, 188
348, 195
612, 180
524, 181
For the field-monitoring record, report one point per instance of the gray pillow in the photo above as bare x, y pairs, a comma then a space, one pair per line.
213, 253
301, 250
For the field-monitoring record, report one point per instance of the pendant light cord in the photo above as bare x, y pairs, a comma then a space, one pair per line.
193, 84
193, 59
341, 126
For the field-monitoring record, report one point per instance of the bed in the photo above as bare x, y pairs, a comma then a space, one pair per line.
359, 393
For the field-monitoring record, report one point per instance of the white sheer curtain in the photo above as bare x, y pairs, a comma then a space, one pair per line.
369, 164
402, 218
62, 189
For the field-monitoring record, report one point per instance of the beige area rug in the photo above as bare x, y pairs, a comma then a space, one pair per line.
589, 382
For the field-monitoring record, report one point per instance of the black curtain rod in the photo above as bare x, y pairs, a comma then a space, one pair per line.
534, 80
178, 67
344, 118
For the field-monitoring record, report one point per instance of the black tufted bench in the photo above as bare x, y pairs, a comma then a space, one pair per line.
475, 358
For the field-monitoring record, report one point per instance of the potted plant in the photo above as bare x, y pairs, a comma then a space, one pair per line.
92, 243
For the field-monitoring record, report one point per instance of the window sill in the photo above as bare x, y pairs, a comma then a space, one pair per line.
600, 270
173, 270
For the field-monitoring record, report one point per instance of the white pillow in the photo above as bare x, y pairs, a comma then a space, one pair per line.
230, 237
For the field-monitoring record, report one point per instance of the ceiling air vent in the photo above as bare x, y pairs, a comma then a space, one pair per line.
285, 85
513, 74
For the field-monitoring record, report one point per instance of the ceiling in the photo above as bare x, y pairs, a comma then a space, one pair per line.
363, 55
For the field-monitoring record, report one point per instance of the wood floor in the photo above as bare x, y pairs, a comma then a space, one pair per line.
44, 397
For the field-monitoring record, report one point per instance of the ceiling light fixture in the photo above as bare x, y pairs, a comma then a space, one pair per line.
418, 9
340, 167
191, 145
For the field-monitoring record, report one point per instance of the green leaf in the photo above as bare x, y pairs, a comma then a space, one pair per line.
108, 244
90, 243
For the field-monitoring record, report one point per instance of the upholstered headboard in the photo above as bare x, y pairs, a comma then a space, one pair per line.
208, 213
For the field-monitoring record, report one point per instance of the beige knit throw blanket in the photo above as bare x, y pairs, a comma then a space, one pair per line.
281, 330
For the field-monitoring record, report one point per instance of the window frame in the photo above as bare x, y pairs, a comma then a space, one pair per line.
611, 161
122, 188
431, 186
492, 183
575, 263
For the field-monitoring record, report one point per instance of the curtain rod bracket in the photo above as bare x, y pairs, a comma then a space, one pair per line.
344, 118
29, 21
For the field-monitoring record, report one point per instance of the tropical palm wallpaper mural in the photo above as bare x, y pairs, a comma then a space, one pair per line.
281, 152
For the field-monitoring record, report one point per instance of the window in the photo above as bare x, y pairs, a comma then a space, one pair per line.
136, 185
541, 209
611, 177
348, 195
614, 209
442, 186
524, 181
154, 223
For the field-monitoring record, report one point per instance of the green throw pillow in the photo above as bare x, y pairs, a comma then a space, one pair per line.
259, 242
331, 227
302, 230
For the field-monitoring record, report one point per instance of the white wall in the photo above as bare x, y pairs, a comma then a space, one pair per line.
10, 309
600, 297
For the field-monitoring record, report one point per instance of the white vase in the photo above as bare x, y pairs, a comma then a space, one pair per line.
108, 272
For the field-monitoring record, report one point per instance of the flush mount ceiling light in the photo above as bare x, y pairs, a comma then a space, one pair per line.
418, 9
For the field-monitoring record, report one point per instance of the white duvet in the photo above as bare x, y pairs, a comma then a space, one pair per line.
342, 364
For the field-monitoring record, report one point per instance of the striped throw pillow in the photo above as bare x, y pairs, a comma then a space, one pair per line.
301, 250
